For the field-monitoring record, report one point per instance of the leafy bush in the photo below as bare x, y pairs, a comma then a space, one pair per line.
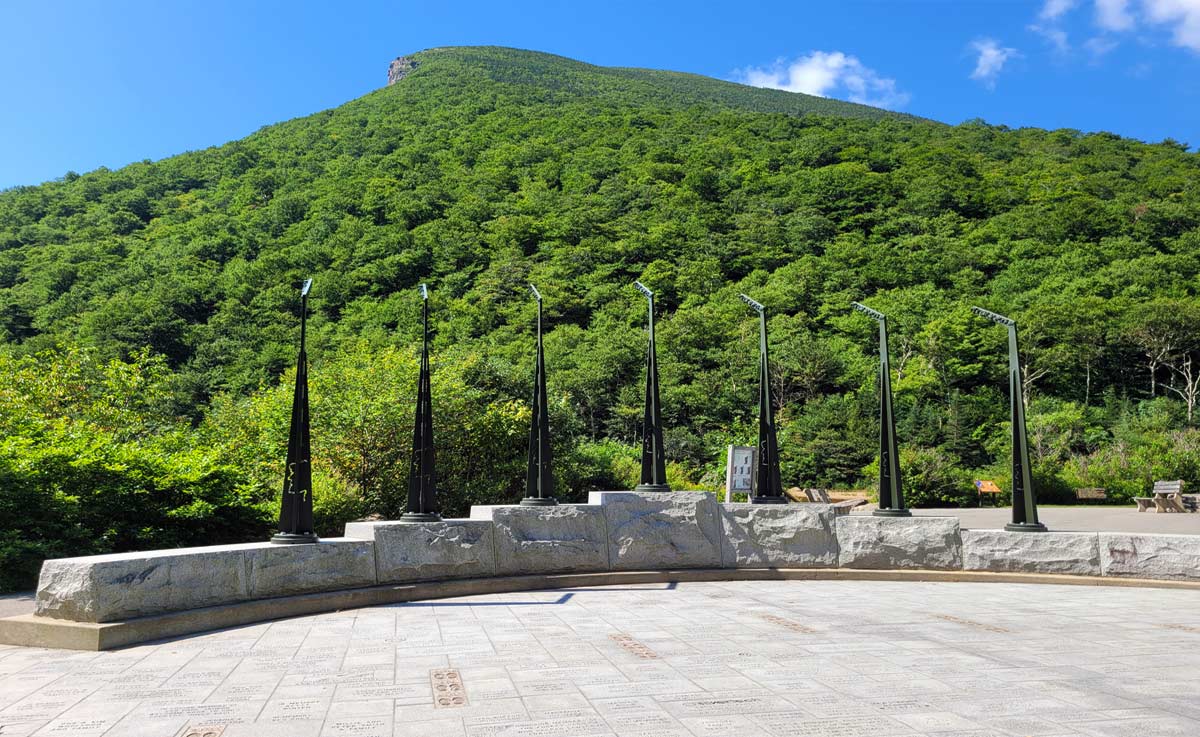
931, 478
89, 464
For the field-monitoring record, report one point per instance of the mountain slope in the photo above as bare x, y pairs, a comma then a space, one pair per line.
489, 168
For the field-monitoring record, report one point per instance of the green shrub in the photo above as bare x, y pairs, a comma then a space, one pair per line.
931, 478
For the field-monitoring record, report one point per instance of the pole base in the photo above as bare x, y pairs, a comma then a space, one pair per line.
891, 513
539, 501
767, 500
420, 517
294, 538
1025, 527
652, 487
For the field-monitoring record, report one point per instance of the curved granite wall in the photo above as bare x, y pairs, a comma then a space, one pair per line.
615, 531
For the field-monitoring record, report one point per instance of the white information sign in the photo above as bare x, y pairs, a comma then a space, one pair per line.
739, 470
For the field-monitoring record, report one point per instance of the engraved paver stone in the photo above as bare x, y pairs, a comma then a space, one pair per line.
448, 691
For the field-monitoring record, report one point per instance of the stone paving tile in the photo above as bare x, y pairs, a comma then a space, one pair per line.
751, 659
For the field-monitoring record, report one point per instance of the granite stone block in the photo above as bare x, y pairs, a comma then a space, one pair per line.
1150, 556
778, 536
1072, 553
558, 539
107, 588
899, 542
656, 530
332, 563
427, 551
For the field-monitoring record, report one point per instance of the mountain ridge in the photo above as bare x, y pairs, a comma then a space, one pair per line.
682, 86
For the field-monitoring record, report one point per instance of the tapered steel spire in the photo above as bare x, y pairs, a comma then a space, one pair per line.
769, 489
1024, 498
422, 480
891, 494
654, 464
539, 483
296, 508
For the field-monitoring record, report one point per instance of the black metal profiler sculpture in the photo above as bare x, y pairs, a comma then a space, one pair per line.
539, 484
422, 480
769, 489
296, 508
654, 464
891, 494
1024, 502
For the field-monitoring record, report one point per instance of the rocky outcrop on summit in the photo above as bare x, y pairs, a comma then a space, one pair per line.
399, 69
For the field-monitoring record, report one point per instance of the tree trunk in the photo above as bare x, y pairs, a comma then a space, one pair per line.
1186, 370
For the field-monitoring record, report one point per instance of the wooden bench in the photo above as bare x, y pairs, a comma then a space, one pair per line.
1168, 496
1090, 493
821, 496
987, 487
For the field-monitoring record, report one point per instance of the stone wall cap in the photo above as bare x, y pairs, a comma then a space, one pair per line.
1155, 535
1050, 533
134, 555
165, 553
915, 519
483, 512
399, 523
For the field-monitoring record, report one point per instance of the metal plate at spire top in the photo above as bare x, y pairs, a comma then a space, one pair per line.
305, 287
424, 292
644, 289
868, 311
756, 306
994, 317
536, 294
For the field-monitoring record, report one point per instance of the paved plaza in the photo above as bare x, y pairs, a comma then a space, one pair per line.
734, 659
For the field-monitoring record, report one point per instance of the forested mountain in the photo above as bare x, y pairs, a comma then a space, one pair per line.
147, 315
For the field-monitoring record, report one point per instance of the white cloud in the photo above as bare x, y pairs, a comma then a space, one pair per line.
1056, 36
1114, 15
1054, 9
992, 57
1181, 18
1183, 15
828, 74
1098, 46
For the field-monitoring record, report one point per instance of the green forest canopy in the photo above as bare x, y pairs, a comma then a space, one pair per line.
487, 168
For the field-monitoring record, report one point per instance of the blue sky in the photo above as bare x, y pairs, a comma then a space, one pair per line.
88, 84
